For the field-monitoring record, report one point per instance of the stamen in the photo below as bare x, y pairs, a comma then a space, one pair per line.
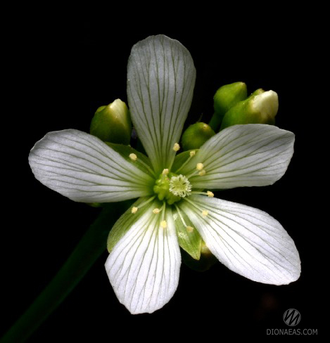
180, 215
202, 172
165, 171
176, 147
163, 224
205, 213
208, 193
156, 210
133, 157
199, 166
191, 155
189, 229
135, 209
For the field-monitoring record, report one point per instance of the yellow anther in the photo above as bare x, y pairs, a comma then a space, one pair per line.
189, 229
205, 213
176, 147
210, 194
133, 157
192, 153
134, 209
199, 166
156, 210
163, 224
202, 172
165, 171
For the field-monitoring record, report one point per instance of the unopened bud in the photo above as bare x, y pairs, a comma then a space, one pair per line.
196, 135
224, 99
112, 123
260, 108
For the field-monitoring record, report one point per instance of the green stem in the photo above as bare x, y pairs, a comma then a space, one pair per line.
88, 250
215, 122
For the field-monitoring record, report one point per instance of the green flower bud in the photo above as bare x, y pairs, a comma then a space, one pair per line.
260, 108
196, 135
112, 123
225, 98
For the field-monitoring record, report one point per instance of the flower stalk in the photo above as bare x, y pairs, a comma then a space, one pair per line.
88, 250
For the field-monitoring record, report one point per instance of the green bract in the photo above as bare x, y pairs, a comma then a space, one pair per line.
175, 206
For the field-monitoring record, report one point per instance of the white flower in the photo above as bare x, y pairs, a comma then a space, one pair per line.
173, 210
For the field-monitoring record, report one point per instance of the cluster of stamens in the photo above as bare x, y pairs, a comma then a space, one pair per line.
171, 188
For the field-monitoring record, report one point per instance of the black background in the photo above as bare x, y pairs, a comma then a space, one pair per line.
61, 69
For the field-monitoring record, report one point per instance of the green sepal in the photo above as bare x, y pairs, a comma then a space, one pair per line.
142, 161
181, 159
189, 240
206, 261
124, 223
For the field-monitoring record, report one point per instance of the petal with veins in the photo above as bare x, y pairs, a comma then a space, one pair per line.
144, 266
246, 240
84, 169
242, 155
161, 78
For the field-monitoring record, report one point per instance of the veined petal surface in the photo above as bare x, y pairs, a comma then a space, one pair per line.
246, 240
144, 266
242, 155
160, 83
84, 169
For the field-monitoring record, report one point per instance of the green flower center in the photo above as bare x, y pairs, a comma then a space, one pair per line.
172, 187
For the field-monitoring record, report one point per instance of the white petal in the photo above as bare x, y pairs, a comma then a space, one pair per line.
243, 155
246, 240
144, 266
83, 168
161, 79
